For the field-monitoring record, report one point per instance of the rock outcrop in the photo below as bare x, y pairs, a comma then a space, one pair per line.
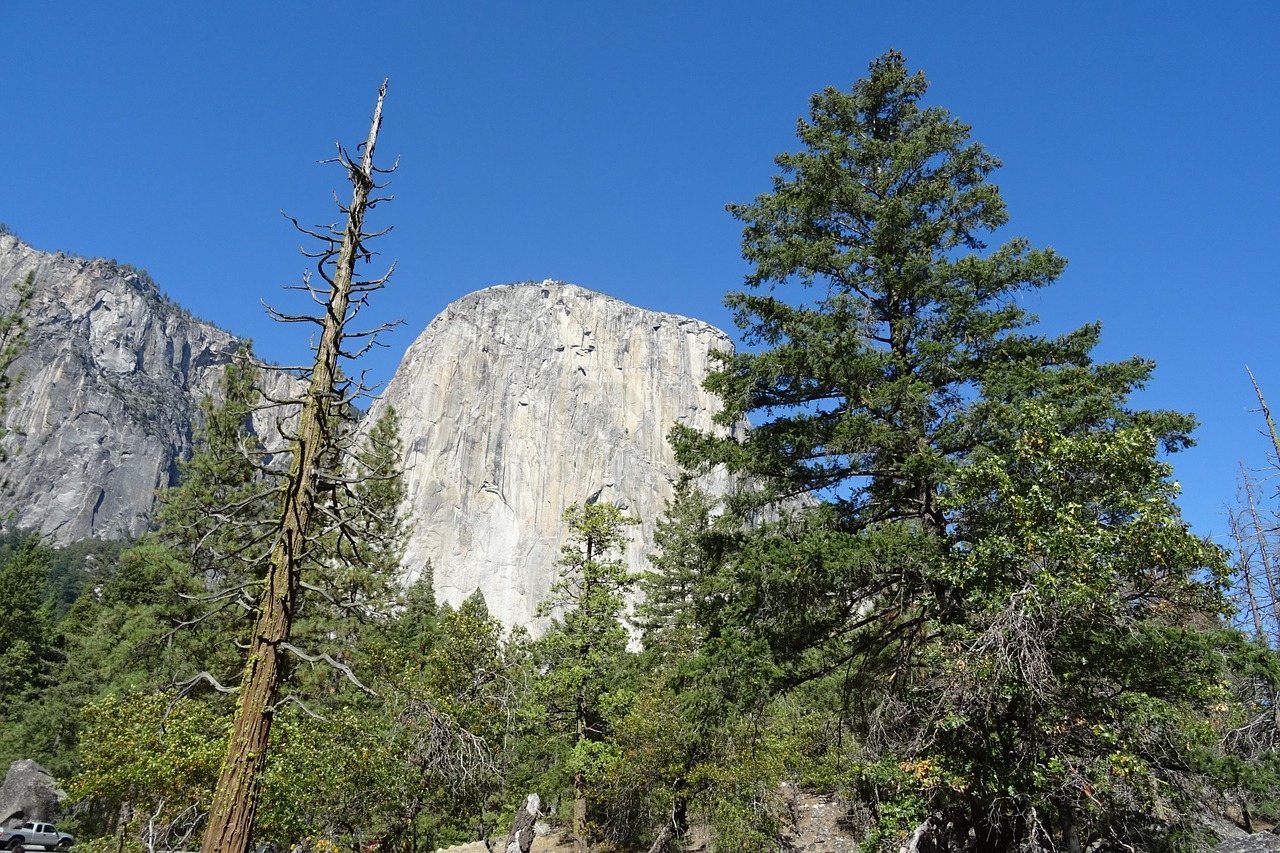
520, 400
111, 384
29, 792
516, 402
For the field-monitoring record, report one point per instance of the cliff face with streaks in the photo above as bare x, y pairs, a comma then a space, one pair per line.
516, 402
520, 400
111, 383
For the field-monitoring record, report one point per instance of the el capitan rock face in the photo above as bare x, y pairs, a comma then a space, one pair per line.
520, 400
516, 402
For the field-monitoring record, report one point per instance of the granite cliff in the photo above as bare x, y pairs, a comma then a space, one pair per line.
520, 400
516, 402
112, 380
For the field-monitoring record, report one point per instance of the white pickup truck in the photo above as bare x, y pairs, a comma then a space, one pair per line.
32, 834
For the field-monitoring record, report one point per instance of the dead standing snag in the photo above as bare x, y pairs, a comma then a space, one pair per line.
236, 798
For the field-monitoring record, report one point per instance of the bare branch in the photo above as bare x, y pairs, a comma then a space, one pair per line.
326, 658
207, 677
295, 700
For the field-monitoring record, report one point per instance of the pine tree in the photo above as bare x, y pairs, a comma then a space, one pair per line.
25, 630
353, 572
587, 641
890, 363
218, 518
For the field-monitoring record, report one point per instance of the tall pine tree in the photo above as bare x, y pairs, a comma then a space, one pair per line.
889, 363
583, 650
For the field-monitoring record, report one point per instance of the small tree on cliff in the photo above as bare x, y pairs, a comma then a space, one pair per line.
13, 339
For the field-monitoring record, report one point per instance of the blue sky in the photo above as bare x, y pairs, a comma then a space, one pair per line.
598, 143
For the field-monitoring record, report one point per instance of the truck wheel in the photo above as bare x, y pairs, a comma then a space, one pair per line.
64, 844
16, 842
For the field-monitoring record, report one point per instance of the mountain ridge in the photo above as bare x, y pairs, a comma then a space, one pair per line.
516, 401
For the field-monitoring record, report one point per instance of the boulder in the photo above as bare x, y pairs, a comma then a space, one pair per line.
29, 792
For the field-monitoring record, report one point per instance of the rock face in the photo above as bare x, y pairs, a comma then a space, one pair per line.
111, 383
516, 402
520, 400
29, 793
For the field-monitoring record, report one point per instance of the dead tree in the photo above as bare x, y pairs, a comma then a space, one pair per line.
301, 518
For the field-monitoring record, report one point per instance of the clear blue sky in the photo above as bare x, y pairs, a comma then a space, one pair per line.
598, 143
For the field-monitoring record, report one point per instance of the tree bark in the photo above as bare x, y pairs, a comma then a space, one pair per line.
660, 843
522, 827
580, 783
235, 801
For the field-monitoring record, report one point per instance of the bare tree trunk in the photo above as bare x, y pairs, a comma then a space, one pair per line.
660, 843
236, 799
522, 828
1245, 561
1070, 835
1267, 562
580, 783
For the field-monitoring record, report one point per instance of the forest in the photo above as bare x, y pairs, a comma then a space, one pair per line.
953, 587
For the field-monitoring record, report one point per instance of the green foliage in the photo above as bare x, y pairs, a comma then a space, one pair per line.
959, 527
219, 516
1071, 578
13, 340
117, 638
25, 629
352, 575
156, 754
584, 651
79, 566
419, 762
587, 638
953, 584
418, 623
42, 663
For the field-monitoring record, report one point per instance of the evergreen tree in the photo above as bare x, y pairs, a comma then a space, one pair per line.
25, 630
586, 644
13, 340
217, 523
218, 518
416, 627
353, 570
877, 402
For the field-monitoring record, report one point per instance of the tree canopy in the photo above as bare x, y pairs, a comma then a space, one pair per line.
971, 526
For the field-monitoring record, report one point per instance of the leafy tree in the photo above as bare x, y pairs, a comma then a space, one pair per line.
887, 405
149, 760
1065, 697
586, 644
116, 639
418, 765
471, 682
